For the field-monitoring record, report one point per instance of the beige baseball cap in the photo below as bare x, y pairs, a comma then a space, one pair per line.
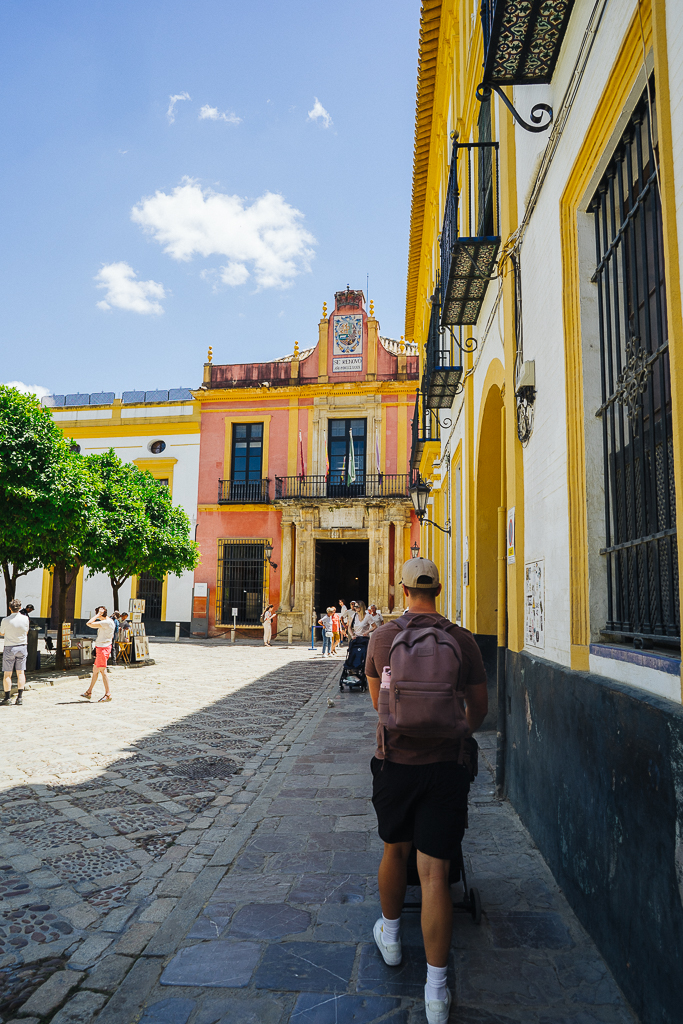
420, 573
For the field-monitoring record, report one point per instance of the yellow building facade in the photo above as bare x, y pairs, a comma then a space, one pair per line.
544, 293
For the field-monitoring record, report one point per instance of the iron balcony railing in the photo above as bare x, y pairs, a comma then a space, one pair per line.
522, 39
373, 485
426, 428
442, 369
470, 236
243, 492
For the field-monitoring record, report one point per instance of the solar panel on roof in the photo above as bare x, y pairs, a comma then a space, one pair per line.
52, 400
102, 398
156, 396
180, 395
133, 396
77, 400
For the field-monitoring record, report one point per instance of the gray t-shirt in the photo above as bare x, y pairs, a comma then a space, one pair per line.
15, 629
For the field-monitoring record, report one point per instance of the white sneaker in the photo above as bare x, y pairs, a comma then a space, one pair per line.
391, 951
437, 1010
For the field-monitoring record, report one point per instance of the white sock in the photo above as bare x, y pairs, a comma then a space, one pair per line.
436, 983
390, 930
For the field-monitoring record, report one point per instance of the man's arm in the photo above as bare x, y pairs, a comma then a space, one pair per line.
373, 686
477, 702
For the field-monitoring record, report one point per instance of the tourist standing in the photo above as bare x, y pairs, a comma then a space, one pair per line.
14, 628
336, 629
267, 620
362, 625
343, 619
375, 617
105, 634
326, 622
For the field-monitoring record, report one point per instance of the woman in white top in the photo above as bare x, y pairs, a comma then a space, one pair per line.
267, 620
105, 634
362, 625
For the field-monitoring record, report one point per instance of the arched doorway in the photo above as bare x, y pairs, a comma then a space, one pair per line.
488, 499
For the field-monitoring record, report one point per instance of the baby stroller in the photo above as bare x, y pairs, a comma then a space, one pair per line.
353, 671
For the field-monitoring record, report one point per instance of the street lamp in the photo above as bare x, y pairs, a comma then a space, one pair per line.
419, 493
415, 550
268, 549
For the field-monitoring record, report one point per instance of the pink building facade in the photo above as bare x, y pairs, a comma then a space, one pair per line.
308, 454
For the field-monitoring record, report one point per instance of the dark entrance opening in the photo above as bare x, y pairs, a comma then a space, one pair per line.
341, 570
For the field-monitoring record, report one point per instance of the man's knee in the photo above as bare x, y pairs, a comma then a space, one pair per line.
397, 851
431, 870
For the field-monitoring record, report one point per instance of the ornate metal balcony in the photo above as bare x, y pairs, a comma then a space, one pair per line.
522, 39
426, 428
317, 487
442, 376
470, 237
243, 492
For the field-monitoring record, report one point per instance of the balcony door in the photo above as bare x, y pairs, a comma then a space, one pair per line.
247, 462
346, 441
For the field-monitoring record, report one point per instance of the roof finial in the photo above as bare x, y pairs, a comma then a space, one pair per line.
402, 345
210, 355
372, 308
296, 349
324, 310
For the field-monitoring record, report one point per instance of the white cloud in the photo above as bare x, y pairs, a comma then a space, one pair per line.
29, 389
170, 113
125, 292
194, 221
319, 111
208, 113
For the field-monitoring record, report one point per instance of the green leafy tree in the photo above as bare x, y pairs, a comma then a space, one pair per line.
69, 527
142, 530
32, 448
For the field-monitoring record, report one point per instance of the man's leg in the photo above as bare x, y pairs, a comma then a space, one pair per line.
392, 878
7, 686
437, 908
21, 683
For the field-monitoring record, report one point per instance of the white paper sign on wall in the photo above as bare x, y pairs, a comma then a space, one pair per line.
534, 604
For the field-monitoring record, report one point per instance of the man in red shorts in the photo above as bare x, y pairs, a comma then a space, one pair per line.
105, 634
420, 788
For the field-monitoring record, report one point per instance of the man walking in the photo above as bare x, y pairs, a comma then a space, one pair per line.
420, 783
14, 627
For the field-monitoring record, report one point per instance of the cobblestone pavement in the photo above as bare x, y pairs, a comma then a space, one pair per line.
177, 893
109, 812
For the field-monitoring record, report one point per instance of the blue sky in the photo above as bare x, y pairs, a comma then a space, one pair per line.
249, 213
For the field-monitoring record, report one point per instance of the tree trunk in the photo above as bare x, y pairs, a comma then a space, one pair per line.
65, 581
10, 583
115, 587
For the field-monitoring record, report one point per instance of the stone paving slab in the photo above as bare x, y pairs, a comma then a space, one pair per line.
295, 907
118, 820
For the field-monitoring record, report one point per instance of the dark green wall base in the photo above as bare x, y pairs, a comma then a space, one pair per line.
487, 645
595, 771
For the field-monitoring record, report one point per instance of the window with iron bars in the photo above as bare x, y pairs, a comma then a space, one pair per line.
241, 581
640, 512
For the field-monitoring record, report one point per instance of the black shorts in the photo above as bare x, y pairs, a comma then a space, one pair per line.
422, 803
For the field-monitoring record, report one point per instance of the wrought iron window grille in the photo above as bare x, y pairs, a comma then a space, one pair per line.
470, 235
241, 581
640, 515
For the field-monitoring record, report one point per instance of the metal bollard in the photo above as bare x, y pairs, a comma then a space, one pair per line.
289, 635
177, 631
312, 638
232, 636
